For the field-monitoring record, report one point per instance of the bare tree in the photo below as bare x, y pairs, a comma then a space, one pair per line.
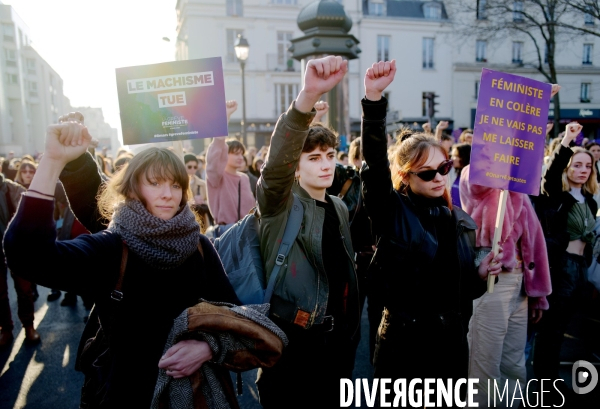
587, 15
539, 20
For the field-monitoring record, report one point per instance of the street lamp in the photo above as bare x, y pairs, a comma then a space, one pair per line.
242, 49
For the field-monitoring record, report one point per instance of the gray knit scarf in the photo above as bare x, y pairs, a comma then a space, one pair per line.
163, 244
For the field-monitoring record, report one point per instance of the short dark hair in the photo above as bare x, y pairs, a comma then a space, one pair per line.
188, 157
236, 146
320, 136
446, 137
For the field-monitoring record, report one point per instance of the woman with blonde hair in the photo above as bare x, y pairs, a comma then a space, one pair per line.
25, 173
425, 260
567, 211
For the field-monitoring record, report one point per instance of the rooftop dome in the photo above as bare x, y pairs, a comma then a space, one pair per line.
324, 14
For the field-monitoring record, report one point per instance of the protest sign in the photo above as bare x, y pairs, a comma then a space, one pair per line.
510, 132
172, 101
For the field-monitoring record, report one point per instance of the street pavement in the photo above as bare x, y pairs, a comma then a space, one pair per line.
42, 376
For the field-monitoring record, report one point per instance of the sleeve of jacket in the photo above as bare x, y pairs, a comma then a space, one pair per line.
80, 265
275, 183
375, 176
216, 161
81, 180
552, 179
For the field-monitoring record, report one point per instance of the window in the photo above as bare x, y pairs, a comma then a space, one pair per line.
33, 89
518, 11
480, 51
428, 53
284, 95
376, 8
517, 50
586, 87
546, 49
231, 37
292, 2
383, 48
481, 10
8, 31
432, 11
10, 56
587, 54
11, 78
234, 8
30, 66
589, 17
476, 89
284, 41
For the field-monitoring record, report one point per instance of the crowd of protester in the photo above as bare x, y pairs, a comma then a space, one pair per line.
393, 222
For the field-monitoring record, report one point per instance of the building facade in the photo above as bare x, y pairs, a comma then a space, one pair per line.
31, 92
420, 35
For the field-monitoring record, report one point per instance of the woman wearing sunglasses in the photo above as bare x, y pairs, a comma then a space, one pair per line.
425, 253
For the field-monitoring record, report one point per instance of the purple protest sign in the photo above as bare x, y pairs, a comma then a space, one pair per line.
172, 101
510, 132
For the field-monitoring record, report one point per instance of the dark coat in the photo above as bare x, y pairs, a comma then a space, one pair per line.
407, 244
554, 205
89, 265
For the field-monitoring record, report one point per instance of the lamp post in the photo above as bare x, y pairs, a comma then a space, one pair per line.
242, 49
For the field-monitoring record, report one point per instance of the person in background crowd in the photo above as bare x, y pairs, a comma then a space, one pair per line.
10, 194
422, 236
251, 177
461, 157
322, 108
466, 136
567, 211
201, 172
230, 197
498, 328
342, 158
147, 205
447, 141
199, 191
594, 147
255, 169
315, 300
6, 168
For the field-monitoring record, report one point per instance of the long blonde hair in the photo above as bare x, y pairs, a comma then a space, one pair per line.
591, 185
412, 153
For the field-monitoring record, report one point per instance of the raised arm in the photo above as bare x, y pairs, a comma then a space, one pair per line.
376, 176
275, 183
552, 180
216, 155
440, 128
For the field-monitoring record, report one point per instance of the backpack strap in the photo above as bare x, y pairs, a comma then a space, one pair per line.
117, 294
292, 228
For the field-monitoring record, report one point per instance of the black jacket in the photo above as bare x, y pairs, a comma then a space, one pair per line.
554, 205
407, 242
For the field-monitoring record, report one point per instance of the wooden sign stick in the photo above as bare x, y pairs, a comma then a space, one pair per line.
498, 232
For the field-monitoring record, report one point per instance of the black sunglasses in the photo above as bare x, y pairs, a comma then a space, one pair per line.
429, 175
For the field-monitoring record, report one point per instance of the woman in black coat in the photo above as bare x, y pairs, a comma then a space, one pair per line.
166, 273
425, 253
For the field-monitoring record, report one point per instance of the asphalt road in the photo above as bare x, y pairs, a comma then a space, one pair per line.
42, 376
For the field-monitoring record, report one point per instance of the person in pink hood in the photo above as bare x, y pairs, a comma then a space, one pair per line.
498, 327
